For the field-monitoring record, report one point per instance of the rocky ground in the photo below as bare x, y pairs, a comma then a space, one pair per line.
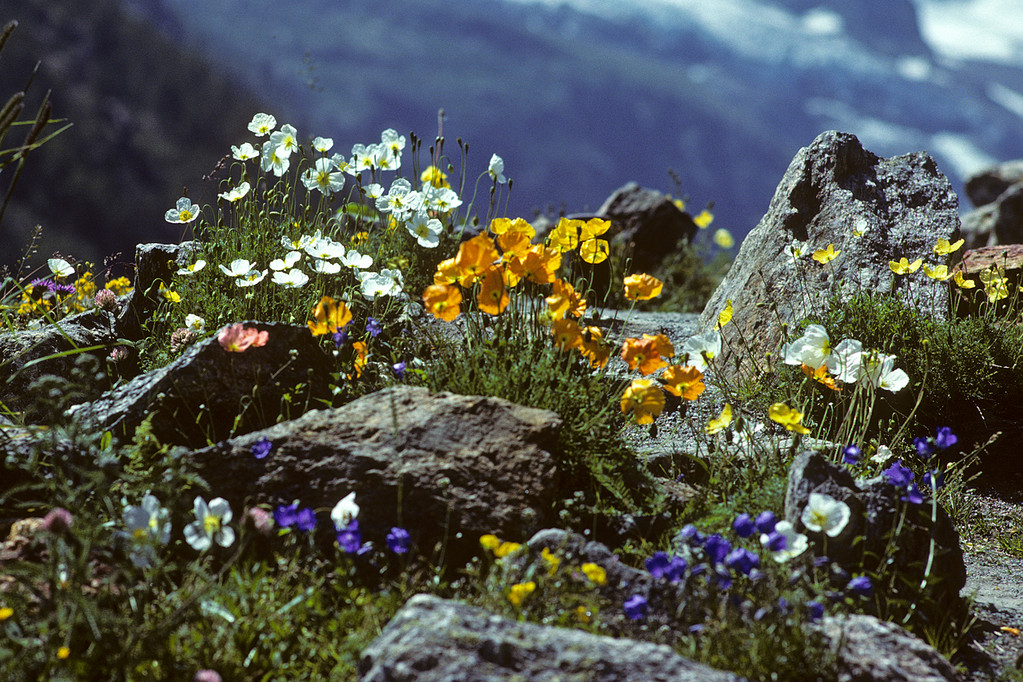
992, 534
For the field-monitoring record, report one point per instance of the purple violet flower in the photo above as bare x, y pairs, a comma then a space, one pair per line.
945, 438
743, 525
898, 474
851, 455
717, 548
399, 540
635, 607
262, 447
349, 538
766, 521
373, 327
860, 586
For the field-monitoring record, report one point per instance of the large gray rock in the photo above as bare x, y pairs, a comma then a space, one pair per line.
876, 510
998, 222
447, 467
28, 354
870, 649
831, 189
208, 393
154, 264
986, 186
649, 221
432, 639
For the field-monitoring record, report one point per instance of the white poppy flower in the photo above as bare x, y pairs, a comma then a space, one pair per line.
345, 511
825, 514
210, 525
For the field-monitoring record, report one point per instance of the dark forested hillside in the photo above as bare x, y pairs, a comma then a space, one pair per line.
148, 118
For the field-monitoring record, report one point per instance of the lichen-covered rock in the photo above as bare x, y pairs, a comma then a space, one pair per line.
432, 639
986, 186
871, 210
208, 393
447, 467
649, 221
997, 222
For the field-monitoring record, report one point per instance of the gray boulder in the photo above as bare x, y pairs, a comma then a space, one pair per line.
433, 639
447, 467
649, 221
209, 394
870, 649
154, 263
833, 190
876, 510
998, 222
29, 354
986, 186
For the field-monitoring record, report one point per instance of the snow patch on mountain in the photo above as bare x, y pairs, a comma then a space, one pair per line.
987, 30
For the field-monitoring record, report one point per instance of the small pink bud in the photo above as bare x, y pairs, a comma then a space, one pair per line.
260, 519
207, 676
58, 520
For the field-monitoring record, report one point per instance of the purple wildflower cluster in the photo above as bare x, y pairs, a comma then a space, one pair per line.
902, 477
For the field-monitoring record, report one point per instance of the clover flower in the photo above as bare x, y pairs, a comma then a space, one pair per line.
237, 338
399, 540
183, 212
106, 300
825, 514
210, 524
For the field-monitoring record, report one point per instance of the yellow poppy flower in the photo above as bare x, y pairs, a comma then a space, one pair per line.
567, 334
723, 238
595, 572
644, 400
594, 348
904, 267
594, 251
704, 219
725, 316
940, 272
564, 300
331, 316
565, 235
787, 417
943, 248
996, 285
520, 591
824, 256
821, 376
593, 228
721, 422
642, 287
434, 176
963, 283
474, 258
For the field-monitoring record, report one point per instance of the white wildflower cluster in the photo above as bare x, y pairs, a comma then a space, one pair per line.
847, 362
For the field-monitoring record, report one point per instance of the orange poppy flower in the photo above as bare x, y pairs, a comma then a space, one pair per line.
642, 287
685, 382
821, 376
493, 296
447, 272
331, 316
361, 357
473, 259
514, 245
567, 334
594, 348
645, 354
443, 300
644, 400
564, 300
539, 264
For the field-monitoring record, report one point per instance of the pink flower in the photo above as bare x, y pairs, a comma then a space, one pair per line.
58, 520
236, 338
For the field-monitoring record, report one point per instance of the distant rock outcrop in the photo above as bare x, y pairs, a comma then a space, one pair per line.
868, 209
648, 221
